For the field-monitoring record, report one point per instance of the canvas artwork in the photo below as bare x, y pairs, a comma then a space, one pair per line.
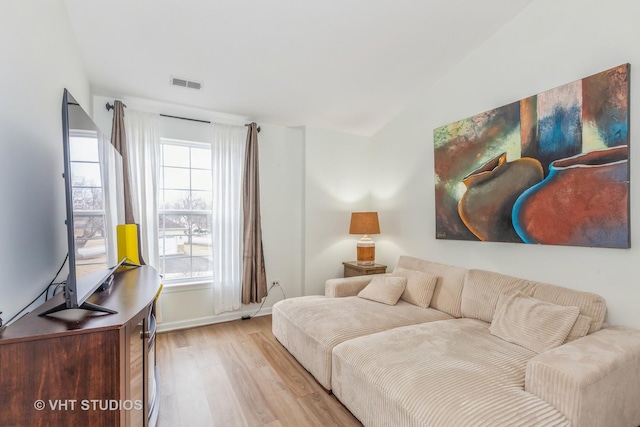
552, 168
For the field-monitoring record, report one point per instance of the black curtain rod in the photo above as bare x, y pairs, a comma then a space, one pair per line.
110, 107
193, 120
185, 118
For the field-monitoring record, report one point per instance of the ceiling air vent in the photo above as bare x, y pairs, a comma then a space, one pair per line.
191, 84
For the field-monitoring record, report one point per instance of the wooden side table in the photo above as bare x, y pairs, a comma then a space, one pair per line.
351, 268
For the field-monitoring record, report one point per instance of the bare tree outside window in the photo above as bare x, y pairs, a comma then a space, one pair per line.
185, 210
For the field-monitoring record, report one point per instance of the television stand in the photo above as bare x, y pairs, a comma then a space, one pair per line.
84, 306
70, 359
103, 284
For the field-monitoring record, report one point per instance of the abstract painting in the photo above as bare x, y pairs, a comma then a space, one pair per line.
552, 168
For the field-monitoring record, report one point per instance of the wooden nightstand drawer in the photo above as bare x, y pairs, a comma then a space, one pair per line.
351, 268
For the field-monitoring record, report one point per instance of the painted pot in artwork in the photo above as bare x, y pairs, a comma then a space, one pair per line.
584, 201
485, 208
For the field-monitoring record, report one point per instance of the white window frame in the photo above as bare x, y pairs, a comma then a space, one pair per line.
162, 257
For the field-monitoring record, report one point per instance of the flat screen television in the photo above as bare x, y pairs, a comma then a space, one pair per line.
93, 192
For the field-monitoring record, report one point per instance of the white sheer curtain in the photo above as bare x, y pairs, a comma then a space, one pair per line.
143, 145
113, 188
227, 153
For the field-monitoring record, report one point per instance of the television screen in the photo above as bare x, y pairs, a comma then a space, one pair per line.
94, 204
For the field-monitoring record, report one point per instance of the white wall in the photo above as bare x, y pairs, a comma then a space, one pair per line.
39, 59
281, 188
281, 209
550, 43
337, 182
311, 180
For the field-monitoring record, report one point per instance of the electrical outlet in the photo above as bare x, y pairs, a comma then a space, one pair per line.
275, 283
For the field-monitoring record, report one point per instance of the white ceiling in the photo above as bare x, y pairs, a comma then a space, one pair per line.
348, 65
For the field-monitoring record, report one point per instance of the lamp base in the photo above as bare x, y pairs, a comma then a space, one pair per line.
366, 251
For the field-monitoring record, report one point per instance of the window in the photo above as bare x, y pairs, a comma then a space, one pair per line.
185, 210
89, 217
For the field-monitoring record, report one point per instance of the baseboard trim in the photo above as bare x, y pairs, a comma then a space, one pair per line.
209, 320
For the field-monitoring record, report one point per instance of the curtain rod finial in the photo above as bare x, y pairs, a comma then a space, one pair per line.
112, 106
257, 127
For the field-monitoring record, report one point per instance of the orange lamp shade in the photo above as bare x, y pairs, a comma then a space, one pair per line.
365, 223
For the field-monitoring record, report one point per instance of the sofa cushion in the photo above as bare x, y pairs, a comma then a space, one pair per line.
311, 326
384, 289
449, 373
420, 286
447, 294
482, 289
579, 329
531, 323
590, 304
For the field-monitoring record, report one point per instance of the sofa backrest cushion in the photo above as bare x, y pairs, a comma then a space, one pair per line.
448, 291
483, 288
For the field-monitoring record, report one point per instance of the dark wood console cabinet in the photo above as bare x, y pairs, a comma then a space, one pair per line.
80, 368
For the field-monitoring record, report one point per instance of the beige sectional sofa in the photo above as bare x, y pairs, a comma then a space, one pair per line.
489, 350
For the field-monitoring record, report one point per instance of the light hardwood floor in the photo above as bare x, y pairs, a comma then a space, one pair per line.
237, 374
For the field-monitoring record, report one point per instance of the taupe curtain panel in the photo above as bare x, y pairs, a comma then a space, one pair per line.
254, 278
119, 140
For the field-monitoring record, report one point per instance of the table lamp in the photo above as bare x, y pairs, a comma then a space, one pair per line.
365, 223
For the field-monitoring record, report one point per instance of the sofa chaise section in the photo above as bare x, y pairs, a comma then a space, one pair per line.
452, 373
310, 327
456, 373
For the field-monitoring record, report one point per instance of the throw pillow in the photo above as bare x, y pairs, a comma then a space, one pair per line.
533, 324
420, 286
579, 329
384, 289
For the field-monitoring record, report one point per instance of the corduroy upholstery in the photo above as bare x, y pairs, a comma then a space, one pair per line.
483, 288
310, 327
385, 289
533, 324
405, 365
448, 292
451, 373
594, 381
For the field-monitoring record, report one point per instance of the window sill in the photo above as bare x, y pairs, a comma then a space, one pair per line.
168, 288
